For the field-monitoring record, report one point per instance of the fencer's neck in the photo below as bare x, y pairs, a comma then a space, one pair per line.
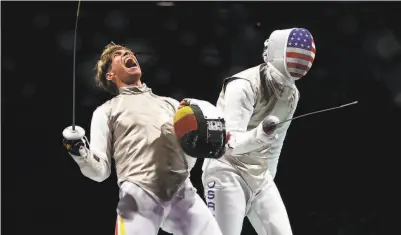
134, 89
279, 84
137, 83
279, 77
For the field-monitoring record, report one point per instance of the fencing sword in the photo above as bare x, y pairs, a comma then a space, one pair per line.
74, 132
319, 111
272, 122
74, 64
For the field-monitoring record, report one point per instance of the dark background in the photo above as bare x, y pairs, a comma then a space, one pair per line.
339, 172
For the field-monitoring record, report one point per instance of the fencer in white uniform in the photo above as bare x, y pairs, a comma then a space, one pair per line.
135, 128
241, 182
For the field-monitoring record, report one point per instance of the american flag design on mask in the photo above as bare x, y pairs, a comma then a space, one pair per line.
300, 52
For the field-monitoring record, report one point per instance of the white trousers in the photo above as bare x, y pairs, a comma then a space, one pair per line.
138, 213
230, 199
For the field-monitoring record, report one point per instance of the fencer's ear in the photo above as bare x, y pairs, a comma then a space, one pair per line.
109, 76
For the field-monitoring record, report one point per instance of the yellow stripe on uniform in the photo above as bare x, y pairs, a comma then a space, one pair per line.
182, 112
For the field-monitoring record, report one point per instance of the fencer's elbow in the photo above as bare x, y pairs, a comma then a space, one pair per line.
98, 176
273, 174
272, 166
102, 177
99, 179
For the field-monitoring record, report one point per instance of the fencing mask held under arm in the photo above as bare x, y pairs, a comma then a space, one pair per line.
200, 130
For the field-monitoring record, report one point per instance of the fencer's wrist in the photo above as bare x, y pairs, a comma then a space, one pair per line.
192, 101
264, 136
183, 103
78, 158
269, 125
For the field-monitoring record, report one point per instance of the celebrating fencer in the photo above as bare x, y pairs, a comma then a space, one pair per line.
136, 129
241, 182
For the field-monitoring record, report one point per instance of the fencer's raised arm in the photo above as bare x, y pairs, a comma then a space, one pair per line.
95, 162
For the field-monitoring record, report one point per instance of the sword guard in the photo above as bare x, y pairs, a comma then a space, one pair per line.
71, 134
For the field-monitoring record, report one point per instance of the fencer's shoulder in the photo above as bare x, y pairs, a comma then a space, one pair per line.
105, 105
239, 85
171, 101
103, 108
245, 78
249, 73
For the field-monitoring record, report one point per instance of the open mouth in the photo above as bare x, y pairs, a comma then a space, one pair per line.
130, 63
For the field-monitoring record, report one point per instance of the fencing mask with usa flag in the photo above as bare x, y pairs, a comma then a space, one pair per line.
290, 51
289, 55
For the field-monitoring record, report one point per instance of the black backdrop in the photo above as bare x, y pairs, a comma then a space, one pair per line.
339, 172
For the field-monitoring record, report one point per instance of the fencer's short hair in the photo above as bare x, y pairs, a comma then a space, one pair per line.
103, 66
